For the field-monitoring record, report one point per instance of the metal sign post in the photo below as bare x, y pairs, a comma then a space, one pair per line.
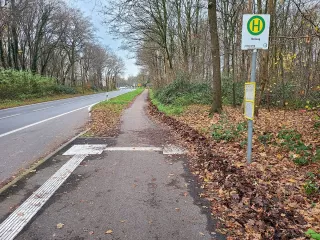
250, 121
255, 35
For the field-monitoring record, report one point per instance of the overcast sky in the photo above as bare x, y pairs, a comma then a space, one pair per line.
91, 9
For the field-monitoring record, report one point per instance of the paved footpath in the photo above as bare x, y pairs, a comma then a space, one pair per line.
131, 190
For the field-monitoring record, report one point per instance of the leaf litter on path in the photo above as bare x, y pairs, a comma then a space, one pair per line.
60, 225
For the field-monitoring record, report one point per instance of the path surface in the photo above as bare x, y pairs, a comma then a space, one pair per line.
23, 140
139, 195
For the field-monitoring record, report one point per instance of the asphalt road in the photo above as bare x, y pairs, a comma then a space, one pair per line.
30, 132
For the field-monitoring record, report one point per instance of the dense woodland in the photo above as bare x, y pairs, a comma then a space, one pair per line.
51, 39
193, 40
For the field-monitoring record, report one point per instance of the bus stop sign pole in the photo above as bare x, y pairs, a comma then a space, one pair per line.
255, 35
250, 121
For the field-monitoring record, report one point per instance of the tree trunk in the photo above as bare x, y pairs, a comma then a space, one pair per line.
73, 79
2, 58
38, 39
15, 47
15, 41
233, 77
215, 52
9, 52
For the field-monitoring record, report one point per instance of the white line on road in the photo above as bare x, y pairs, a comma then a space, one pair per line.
42, 109
10, 116
156, 149
86, 149
12, 226
33, 124
166, 150
7, 109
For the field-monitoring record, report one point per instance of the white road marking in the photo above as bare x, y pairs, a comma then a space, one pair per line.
47, 102
67, 103
17, 220
148, 149
42, 109
33, 124
10, 116
167, 150
86, 149
90, 107
173, 150
12, 226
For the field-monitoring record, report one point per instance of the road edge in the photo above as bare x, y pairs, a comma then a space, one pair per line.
31, 104
37, 163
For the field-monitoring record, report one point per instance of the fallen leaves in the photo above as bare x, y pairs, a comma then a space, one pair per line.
109, 232
105, 117
105, 121
60, 225
264, 200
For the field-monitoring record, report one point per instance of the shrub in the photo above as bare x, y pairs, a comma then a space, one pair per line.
267, 138
301, 161
303, 154
289, 135
61, 89
17, 84
167, 109
290, 94
316, 156
311, 187
313, 234
23, 85
227, 90
224, 130
183, 93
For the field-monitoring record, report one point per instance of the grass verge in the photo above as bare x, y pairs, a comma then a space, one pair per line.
105, 116
169, 109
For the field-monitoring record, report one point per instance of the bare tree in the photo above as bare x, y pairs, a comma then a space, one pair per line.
215, 51
49, 38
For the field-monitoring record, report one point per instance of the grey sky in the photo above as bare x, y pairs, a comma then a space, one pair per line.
90, 9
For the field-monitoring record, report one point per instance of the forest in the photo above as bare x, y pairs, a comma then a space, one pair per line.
198, 41
48, 47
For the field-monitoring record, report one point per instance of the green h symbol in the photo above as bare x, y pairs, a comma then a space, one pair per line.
254, 24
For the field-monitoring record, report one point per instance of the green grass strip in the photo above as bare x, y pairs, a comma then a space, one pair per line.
122, 100
167, 109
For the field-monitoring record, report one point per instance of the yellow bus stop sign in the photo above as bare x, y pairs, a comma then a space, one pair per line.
255, 31
256, 25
